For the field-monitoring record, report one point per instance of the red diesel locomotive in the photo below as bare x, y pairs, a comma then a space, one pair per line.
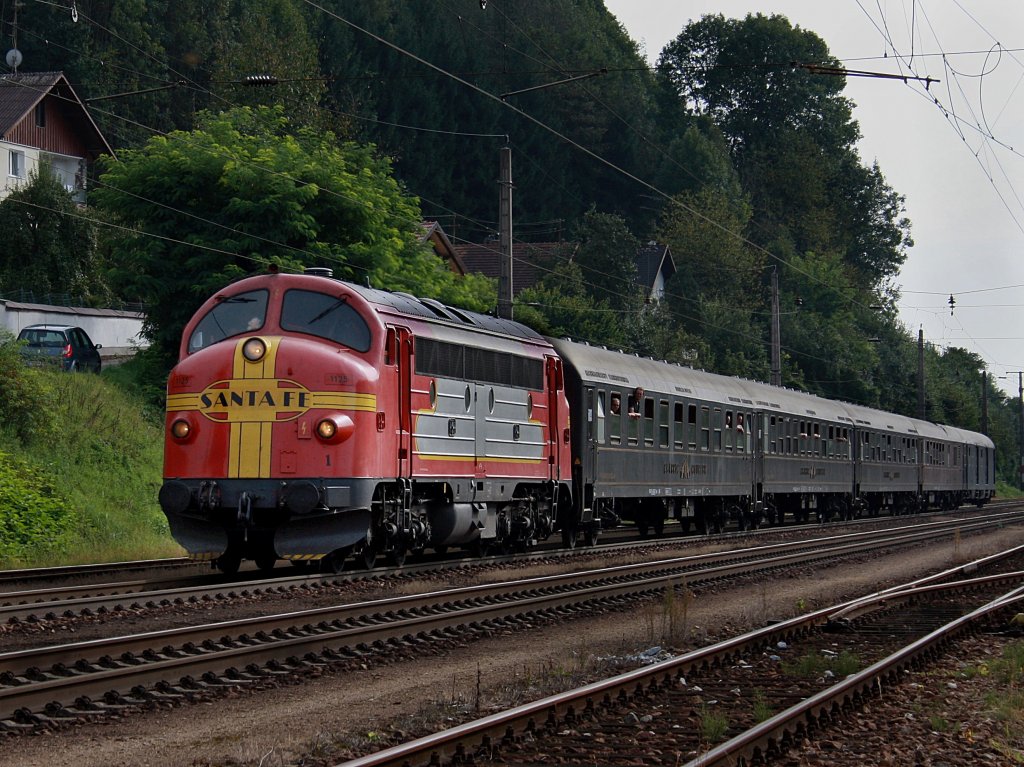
310, 419
313, 419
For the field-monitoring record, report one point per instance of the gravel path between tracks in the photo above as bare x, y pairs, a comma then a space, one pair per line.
318, 721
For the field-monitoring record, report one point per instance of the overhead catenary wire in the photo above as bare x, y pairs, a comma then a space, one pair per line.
706, 219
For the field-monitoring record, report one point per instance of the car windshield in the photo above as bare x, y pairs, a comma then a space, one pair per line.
326, 316
232, 315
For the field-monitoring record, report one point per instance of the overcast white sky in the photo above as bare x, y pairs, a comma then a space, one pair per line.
964, 191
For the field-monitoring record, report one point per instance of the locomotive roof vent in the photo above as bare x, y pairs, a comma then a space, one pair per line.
319, 271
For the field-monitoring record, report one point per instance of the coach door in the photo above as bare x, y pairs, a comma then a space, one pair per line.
554, 386
400, 349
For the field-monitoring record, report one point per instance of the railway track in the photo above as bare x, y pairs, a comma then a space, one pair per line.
45, 686
672, 712
15, 584
52, 603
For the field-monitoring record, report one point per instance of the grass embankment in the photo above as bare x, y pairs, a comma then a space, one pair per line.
80, 468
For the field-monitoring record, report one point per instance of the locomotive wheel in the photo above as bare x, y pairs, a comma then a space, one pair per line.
396, 557
229, 562
569, 538
334, 562
367, 556
266, 562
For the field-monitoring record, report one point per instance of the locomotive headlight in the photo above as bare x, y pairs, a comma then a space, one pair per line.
326, 429
181, 429
254, 349
335, 428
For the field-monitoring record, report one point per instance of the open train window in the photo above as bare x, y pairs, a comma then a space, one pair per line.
772, 436
325, 316
615, 418
717, 427
691, 427
730, 435
230, 316
649, 421
705, 429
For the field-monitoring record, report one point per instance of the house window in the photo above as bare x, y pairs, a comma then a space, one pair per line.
17, 167
41, 114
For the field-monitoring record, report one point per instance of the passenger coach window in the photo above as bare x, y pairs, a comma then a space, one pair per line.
600, 418
663, 426
718, 430
232, 316
705, 429
326, 316
649, 421
615, 418
678, 434
691, 427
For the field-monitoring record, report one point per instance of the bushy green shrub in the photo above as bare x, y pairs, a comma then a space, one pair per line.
25, 396
34, 516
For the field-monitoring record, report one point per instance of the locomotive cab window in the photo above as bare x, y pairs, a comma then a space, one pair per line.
231, 316
325, 316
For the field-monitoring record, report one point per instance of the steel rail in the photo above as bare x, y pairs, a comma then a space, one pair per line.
202, 649
769, 736
97, 598
69, 571
73, 571
486, 732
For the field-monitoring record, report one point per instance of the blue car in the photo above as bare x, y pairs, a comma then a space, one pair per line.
65, 345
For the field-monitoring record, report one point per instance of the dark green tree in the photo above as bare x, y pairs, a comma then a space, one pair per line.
212, 205
270, 38
50, 243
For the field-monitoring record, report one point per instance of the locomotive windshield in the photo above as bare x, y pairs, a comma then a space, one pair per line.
326, 316
231, 316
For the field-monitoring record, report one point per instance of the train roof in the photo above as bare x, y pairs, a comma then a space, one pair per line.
428, 308
599, 366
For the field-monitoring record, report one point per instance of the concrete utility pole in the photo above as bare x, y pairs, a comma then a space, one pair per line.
505, 235
1020, 423
776, 376
1020, 426
984, 402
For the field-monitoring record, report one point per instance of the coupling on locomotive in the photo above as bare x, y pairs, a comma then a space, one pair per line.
313, 419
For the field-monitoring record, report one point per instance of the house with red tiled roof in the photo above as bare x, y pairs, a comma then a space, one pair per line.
44, 123
532, 260
431, 231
